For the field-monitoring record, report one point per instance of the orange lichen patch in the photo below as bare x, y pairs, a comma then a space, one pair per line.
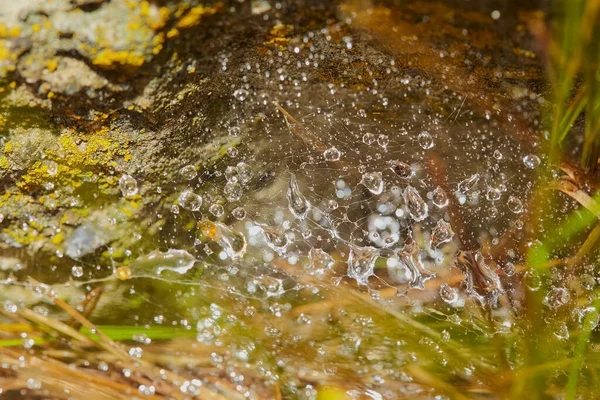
123, 273
207, 229
195, 14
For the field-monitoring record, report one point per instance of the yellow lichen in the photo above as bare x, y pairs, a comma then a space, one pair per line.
173, 33
108, 58
9, 147
6, 32
24, 237
4, 163
58, 238
51, 65
193, 16
144, 19
279, 35
523, 52
78, 158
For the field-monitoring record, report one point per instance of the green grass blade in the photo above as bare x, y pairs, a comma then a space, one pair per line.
589, 323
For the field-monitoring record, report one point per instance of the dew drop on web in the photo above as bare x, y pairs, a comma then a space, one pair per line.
361, 263
442, 233
298, 204
128, 185
448, 293
190, 201
417, 208
373, 181
332, 154
439, 197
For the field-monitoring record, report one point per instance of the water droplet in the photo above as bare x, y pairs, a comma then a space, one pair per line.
298, 204
275, 238
332, 154
402, 169
439, 197
233, 191
136, 352
562, 332
28, 343
232, 242
155, 262
238, 213
188, 172
417, 208
425, 140
587, 281
77, 272
468, 184
556, 297
51, 167
332, 205
319, 261
231, 173
232, 152
509, 269
373, 181
216, 210
190, 201
361, 263
442, 233
368, 138
128, 185
448, 293
34, 384
531, 161
583, 314
241, 94
497, 154
244, 173
383, 140
481, 282
147, 390
493, 194
410, 257
515, 205
532, 280
272, 331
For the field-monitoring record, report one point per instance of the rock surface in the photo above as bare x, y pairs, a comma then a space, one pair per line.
96, 89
